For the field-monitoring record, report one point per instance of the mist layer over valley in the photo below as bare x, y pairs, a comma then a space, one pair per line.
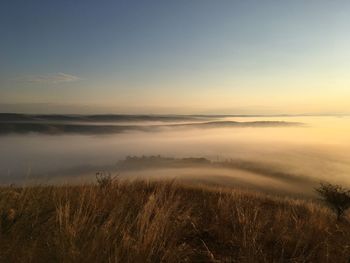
281, 154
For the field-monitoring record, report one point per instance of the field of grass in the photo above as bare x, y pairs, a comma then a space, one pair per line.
165, 222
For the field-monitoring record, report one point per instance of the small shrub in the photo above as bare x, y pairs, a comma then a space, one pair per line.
337, 197
105, 179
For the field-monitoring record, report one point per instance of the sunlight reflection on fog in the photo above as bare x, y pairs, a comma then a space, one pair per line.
320, 149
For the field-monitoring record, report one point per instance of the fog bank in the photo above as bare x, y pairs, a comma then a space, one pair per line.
291, 158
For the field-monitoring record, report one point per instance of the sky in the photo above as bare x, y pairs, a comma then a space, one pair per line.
176, 57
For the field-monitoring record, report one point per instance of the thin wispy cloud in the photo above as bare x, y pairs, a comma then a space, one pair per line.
52, 78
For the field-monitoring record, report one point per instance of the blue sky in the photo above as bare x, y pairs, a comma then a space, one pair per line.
175, 56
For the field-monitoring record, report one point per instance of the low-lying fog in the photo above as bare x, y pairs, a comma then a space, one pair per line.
283, 158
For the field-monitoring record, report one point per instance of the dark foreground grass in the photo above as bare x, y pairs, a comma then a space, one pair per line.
164, 222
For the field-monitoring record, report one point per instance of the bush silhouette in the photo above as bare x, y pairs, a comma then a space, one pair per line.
337, 197
105, 180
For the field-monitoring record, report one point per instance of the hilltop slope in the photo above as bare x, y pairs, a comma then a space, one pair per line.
164, 222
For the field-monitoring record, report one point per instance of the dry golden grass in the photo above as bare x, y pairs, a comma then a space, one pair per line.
164, 222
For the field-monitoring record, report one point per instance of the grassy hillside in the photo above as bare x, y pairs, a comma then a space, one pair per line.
164, 222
